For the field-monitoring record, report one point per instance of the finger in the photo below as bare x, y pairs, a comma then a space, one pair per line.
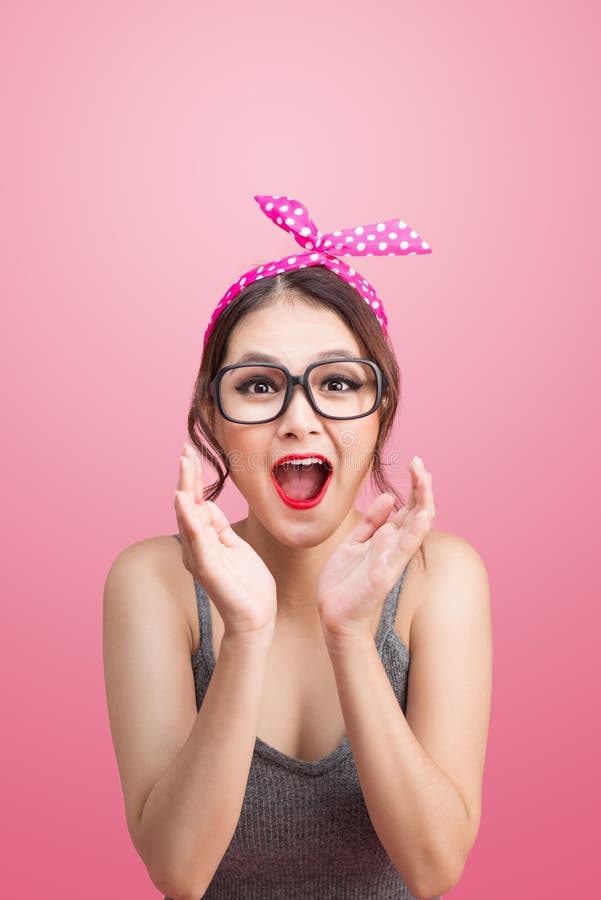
425, 494
198, 481
219, 521
400, 515
418, 493
376, 515
192, 485
421, 485
192, 511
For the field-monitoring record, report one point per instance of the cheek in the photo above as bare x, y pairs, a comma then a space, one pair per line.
356, 445
246, 455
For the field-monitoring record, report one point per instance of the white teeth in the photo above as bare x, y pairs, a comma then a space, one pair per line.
303, 462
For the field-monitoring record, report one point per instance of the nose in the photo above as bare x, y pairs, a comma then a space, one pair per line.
299, 417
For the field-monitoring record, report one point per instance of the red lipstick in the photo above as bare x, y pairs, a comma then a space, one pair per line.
311, 501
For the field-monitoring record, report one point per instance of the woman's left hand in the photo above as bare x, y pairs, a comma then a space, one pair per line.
367, 564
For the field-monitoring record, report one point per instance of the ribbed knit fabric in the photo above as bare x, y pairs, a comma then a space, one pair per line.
304, 830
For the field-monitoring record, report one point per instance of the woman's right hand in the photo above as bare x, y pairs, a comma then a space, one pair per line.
233, 575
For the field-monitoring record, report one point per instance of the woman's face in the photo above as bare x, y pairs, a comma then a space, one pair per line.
296, 334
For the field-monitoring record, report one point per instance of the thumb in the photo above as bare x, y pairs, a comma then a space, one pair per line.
376, 515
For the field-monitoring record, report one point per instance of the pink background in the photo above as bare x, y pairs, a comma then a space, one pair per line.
134, 137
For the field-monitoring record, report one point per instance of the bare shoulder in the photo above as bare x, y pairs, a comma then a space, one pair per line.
155, 563
149, 683
449, 696
450, 560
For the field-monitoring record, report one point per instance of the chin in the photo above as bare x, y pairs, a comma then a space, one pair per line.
306, 534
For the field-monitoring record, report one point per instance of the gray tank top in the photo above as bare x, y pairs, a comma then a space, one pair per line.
304, 830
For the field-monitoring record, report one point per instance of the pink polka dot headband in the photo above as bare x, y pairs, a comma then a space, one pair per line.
390, 238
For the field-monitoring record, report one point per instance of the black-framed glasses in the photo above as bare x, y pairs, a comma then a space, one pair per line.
340, 388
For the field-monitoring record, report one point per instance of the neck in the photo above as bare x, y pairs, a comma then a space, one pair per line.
295, 569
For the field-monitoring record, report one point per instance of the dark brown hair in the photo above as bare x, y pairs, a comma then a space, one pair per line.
319, 286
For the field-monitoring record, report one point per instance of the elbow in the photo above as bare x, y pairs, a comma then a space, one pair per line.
175, 888
436, 883
435, 880
441, 872
433, 889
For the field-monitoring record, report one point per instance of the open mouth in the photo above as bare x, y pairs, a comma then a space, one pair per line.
302, 481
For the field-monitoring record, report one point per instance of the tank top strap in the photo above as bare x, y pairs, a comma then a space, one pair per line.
204, 618
387, 619
390, 610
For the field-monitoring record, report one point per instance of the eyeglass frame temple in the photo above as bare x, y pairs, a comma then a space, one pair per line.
292, 381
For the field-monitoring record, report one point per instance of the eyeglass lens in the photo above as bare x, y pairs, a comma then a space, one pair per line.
250, 393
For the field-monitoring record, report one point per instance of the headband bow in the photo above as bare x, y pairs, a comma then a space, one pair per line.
390, 238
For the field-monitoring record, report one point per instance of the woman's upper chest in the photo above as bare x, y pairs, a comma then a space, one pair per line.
299, 712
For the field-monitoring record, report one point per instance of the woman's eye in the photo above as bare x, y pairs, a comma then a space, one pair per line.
262, 386
341, 384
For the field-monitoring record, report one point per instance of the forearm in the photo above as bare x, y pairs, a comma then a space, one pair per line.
415, 809
191, 813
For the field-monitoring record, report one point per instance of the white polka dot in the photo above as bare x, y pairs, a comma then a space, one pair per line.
270, 268
404, 245
361, 246
371, 237
352, 283
291, 260
375, 303
327, 243
370, 254
349, 238
402, 224
392, 235
260, 269
363, 288
309, 245
242, 280
303, 266
279, 220
289, 221
228, 293
269, 206
382, 245
351, 271
336, 233
280, 270
359, 230
413, 234
411, 252
392, 253
299, 211
315, 256
336, 270
380, 226
258, 277
284, 208
425, 245
305, 231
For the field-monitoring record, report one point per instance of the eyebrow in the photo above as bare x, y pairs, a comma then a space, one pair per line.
266, 357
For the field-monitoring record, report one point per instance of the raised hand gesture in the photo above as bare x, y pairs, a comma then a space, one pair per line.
233, 575
366, 565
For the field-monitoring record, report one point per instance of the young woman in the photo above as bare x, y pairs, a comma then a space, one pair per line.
307, 715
